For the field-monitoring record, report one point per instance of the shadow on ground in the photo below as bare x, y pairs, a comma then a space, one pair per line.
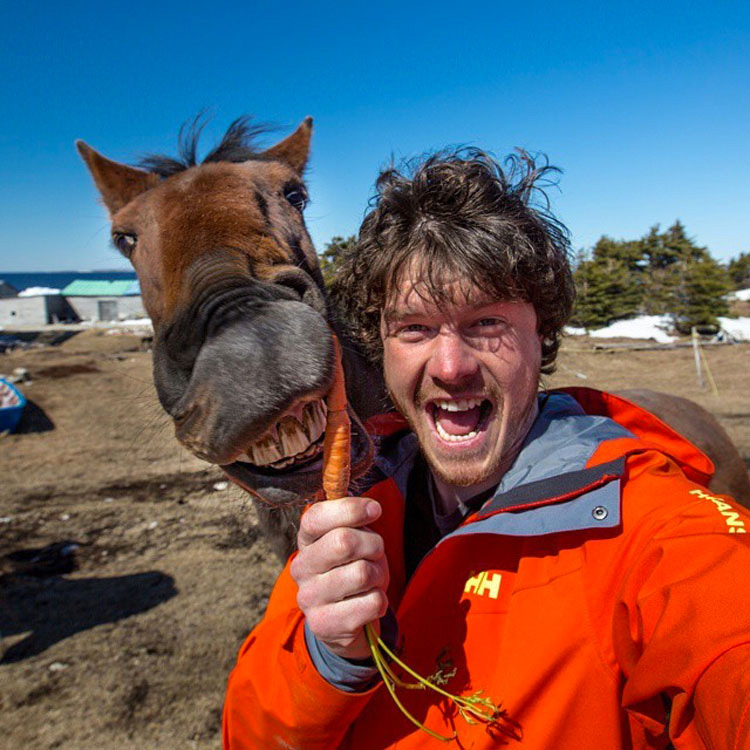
34, 419
54, 608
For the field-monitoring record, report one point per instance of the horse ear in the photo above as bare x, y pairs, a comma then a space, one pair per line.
295, 148
118, 183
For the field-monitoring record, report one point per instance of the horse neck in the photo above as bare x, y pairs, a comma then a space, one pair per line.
365, 387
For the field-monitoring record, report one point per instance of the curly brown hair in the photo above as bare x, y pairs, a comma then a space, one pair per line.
460, 215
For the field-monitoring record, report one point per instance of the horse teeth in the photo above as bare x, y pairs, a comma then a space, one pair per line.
315, 420
265, 454
292, 437
264, 451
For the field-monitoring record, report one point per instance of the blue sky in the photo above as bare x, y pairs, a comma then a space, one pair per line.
645, 106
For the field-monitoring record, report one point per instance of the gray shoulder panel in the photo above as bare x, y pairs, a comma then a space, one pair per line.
596, 509
562, 439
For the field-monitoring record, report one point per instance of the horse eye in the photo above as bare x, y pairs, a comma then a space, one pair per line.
125, 243
296, 195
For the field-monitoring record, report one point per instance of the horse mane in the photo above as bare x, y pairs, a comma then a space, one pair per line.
236, 146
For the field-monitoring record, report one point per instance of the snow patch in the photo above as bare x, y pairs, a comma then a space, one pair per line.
743, 295
656, 327
36, 291
131, 325
644, 327
135, 322
737, 328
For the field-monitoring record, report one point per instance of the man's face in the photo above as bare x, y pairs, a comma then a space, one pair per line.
465, 376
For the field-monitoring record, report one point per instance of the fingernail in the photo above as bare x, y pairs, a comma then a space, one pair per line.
373, 510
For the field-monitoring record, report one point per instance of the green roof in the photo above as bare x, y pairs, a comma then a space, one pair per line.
94, 288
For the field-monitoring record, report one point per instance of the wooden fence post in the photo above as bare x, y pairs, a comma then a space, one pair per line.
696, 352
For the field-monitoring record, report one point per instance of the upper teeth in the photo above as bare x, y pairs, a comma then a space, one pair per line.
463, 404
292, 436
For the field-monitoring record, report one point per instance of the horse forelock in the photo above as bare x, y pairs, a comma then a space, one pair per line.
237, 145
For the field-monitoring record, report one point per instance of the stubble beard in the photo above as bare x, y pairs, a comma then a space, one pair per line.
453, 470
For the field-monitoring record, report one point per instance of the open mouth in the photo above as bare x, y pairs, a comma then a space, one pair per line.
460, 420
296, 438
289, 455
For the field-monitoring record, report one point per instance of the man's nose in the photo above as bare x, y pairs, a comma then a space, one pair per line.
452, 360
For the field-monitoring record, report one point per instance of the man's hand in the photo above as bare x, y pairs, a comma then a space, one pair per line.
342, 573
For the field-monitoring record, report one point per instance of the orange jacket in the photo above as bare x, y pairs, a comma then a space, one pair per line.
603, 607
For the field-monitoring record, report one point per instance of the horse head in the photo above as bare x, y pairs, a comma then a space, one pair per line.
243, 353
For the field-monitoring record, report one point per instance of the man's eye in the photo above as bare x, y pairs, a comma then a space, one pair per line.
125, 242
412, 331
487, 322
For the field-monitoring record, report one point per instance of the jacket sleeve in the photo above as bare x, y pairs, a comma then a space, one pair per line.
275, 696
681, 627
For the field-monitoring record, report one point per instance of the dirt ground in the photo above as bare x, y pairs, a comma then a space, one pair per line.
130, 572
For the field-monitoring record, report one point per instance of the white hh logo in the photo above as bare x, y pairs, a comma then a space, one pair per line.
485, 583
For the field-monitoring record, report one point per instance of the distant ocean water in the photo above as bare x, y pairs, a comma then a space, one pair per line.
60, 279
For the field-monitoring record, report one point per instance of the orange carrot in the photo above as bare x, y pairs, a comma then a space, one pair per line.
337, 442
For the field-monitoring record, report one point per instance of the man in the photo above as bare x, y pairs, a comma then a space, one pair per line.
557, 550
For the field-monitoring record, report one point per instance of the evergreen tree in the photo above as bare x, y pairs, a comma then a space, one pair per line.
622, 262
608, 283
331, 256
697, 283
667, 256
699, 299
662, 272
739, 271
593, 305
683, 279
628, 252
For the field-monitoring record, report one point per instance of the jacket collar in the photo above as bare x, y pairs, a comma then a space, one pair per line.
551, 488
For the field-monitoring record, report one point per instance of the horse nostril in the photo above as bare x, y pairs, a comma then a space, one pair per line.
294, 281
303, 287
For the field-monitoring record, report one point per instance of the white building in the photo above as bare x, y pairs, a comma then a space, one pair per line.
104, 300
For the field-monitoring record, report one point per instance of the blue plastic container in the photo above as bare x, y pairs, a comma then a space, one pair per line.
12, 403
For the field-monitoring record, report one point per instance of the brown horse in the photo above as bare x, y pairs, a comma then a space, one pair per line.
242, 345
704, 431
229, 276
